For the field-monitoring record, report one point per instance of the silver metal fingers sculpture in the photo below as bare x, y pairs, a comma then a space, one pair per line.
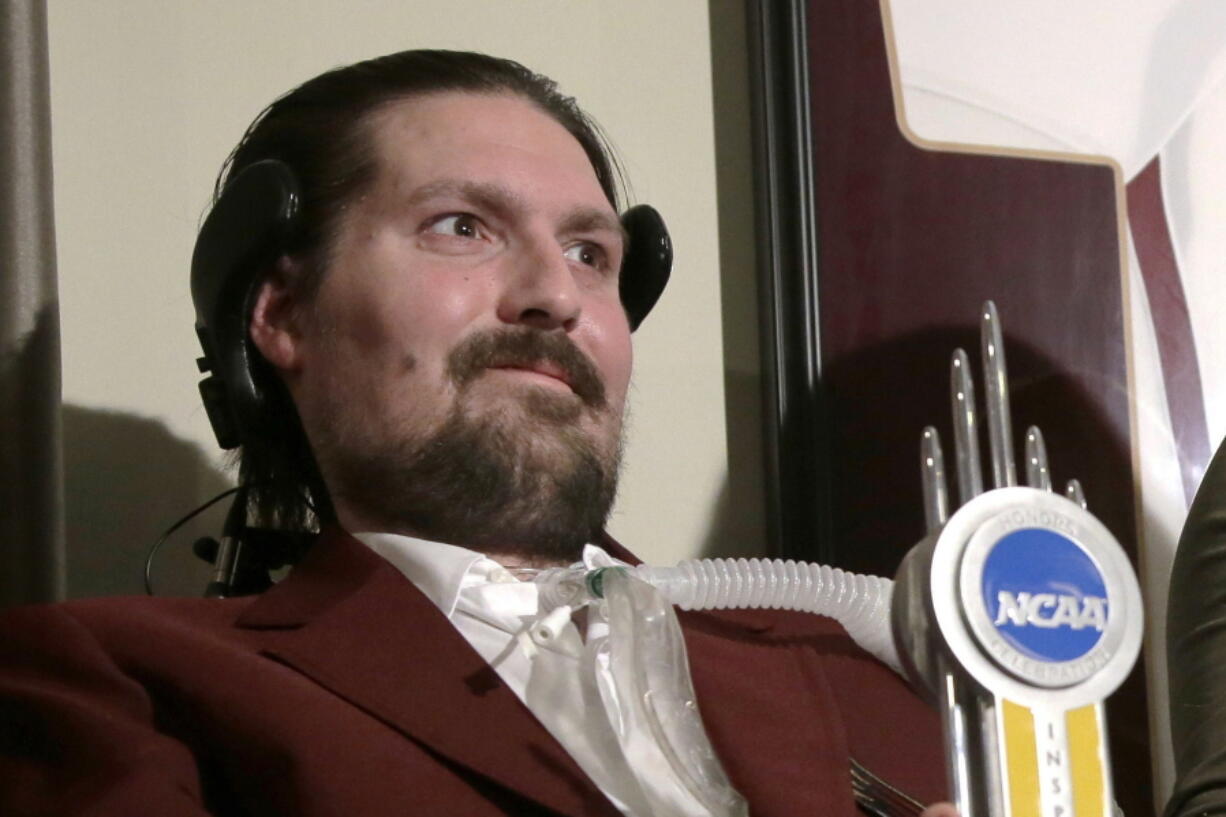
1018, 614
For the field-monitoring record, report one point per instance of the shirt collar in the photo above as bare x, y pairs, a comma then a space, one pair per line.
437, 569
441, 571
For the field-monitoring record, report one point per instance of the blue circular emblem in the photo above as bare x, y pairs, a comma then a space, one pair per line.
1044, 595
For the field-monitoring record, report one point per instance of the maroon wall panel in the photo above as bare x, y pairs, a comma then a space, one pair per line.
911, 242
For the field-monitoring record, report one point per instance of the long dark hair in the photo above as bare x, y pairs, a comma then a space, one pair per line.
320, 129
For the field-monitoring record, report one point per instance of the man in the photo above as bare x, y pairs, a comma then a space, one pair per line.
443, 360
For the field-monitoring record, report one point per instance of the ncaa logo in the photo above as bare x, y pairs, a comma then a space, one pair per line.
1046, 604
1045, 595
1035, 598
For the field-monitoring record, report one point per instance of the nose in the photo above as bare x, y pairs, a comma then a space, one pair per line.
541, 290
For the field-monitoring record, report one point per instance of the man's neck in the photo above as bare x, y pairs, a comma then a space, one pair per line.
508, 556
517, 559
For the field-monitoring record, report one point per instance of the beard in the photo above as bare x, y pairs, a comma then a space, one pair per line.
516, 476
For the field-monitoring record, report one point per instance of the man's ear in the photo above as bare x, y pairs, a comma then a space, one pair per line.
275, 318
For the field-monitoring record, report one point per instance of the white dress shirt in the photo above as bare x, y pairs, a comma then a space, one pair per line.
553, 673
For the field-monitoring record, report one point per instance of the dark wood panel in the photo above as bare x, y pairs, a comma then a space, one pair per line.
906, 245
912, 242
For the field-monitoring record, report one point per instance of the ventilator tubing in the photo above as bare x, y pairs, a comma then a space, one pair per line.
646, 651
860, 603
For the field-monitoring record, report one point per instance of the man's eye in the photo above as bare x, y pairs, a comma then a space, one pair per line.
588, 254
463, 225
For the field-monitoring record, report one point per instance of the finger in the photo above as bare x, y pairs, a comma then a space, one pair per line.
940, 810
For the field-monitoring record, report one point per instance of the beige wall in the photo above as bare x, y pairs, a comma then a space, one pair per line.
150, 95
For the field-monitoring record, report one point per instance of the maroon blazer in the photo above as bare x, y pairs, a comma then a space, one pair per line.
344, 691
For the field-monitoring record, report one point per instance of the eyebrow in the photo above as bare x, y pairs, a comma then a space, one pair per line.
504, 202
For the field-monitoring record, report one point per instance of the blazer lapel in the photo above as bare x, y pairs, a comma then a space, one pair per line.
779, 740
351, 622
767, 709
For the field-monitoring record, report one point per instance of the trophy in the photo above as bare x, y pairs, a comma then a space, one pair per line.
1017, 615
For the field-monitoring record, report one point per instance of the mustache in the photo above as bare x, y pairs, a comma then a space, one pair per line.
523, 348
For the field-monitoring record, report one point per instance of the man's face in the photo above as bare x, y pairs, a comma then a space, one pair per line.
468, 332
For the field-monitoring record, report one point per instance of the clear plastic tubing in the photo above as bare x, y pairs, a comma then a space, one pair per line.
650, 672
859, 602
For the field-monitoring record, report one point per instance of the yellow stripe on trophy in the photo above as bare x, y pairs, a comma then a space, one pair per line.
1086, 760
1021, 759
